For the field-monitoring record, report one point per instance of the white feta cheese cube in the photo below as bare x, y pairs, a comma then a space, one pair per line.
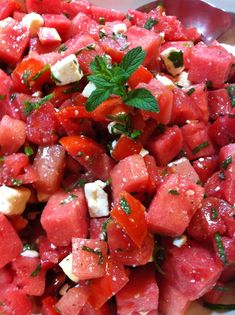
89, 88
30, 253
13, 200
33, 21
119, 28
165, 81
67, 70
172, 58
183, 81
179, 241
97, 199
144, 152
66, 265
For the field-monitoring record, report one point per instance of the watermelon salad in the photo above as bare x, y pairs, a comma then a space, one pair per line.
117, 162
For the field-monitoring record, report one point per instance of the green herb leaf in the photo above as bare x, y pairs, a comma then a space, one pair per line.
219, 288
214, 213
96, 98
224, 307
231, 93
200, 147
173, 192
159, 257
104, 227
221, 175
125, 206
62, 48
25, 76
177, 58
135, 134
142, 99
16, 182
2, 97
36, 271
102, 34
101, 20
28, 151
70, 198
94, 251
190, 91
132, 60
88, 47
220, 247
37, 75
28, 247
150, 23
35, 105
226, 162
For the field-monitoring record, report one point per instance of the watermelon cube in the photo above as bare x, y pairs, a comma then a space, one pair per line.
48, 36
143, 284
72, 8
14, 39
184, 168
210, 63
44, 6
65, 217
219, 103
129, 174
60, 22
28, 275
10, 243
5, 87
89, 258
84, 25
109, 15
174, 205
193, 269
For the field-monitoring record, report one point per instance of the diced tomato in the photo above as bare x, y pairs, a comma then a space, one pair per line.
60, 22
102, 289
84, 25
48, 306
65, 216
44, 6
166, 146
11, 248
73, 301
186, 269
12, 135
130, 214
14, 301
49, 163
210, 63
12, 34
184, 168
141, 75
29, 276
173, 206
141, 292
124, 147
106, 14
129, 174
89, 258
124, 250
190, 107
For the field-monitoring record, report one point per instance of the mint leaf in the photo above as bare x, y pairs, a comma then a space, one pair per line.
29, 106
100, 82
177, 57
96, 98
132, 60
150, 23
99, 66
142, 99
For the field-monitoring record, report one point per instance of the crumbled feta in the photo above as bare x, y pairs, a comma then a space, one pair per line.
33, 21
67, 70
97, 199
180, 241
119, 28
171, 68
144, 152
178, 162
30, 253
13, 200
165, 81
66, 265
89, 88
182, 80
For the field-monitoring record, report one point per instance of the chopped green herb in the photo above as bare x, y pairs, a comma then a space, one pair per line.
104, 227
108, 181
12, 97
36, 271
28, 151
1, 158
62, 48
129, 17
226, 162
231, 93
88, 47
16, 182
102, 34
101, 20
25, 76
112, 79
161, 128
177, 58
68, 199
29, 106
214, 213
173, 192
219, 288
199, 182
200, 147
57, 309
158, 257
72, 89
150, 23
231, 115
28, 247
224, 307
2, 97
121, 117
209, 84
135, 134
220, 247
94, 251
37, 75
80, 154
221, 175
190, 91
125, 206
54, 78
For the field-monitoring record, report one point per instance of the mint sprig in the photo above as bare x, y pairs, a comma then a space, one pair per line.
112, 80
